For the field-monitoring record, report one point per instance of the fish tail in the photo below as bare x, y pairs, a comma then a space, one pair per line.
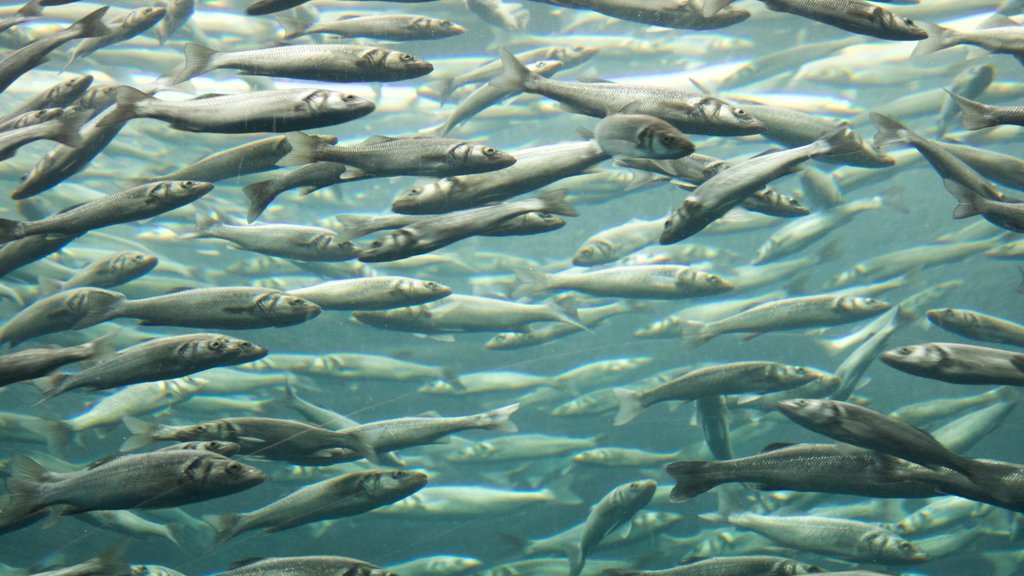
576, 559
91, 25
111, 560
564, 310
67, 130
712, 7
51, 387
294, 27
56, 433
142, 433
128, 99
530, 282
838, 140
11, 230
198, 60
555, 202
975, 115
25, 479
938, 39
260, 195
890, 131
631, 405
227, 526
1007, 393
498, 419
514, 76
204, 225
353, 226
175, 532
692, 479
304, 149
444, 85
362, 443
562, 493
970, 202
104, 305
696, 334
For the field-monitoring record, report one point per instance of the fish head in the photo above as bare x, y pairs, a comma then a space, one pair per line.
389, 247
862, 306
913, 357
730, 120
427, 289
949, 317
488, 157
391, 483
571, 55
684, 222
74, 85
176, 192
506, 341
419, 198
473, 452
897, 25
531, 223
708, 283
789, 567
97, 97
663, 141
811, 413
337, 104
440, 28
885, 544
404, 65
437, 387
286, 308
230, 475
134, 263
641, 490
39, 116
221, 447
655, 520
592, 254
596, 456
800, 374
144, 17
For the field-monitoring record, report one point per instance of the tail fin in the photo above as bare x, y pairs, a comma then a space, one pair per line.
555, 202
561, 491
111, 560
514, 76
91, 25
970, 202
293, 27
304, 149
839, 140
57, 434
198, 60
362, 442
67, 130
128, 99
11, 230
938, 38
696, 334
141, 433
564, 309
354, 226
576, 559
712, 7
975, 114
226, 525
260, 195
204, 225
530, 282
103, 305
691, 479
498, 419
25, 478
444, 85
630, 405
890, 131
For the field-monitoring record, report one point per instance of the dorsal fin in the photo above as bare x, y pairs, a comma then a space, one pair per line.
777, 446
245, 562
377, 139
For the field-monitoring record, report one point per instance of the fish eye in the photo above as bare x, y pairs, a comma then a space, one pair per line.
668, 224
201, 428
398, 474
445, 24
350, 98
713, 279
406, 57
234, 468
296, 301
431, 285
668, 139
908, 21
187, 184
500, 338
488, 151
869, 300
905, 546
414, 191
741, 112
906, 350
216, 344
376, 244
800, 371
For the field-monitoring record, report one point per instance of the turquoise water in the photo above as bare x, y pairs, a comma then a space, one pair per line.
917, 211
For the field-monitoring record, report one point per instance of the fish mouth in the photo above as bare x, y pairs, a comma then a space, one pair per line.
420, 68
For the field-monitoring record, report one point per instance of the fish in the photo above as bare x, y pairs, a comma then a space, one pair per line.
346, 495
641, 136
220, 307
159, 359
124, 27
33, 54
323, 62
283, 110
463, 313
374, 293
73, 309
977, 325
854, 16
393, 27
32, 363
611, 512
957, 363
153, 480
288, 564
657, 281
307, 243
691, 113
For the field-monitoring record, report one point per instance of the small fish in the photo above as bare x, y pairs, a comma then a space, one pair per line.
35, 53
38, 362
374, 293
614, 510
123, 28
221, 307
393, 27
958, 363
641, 136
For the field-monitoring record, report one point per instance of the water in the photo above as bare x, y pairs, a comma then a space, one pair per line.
629, 53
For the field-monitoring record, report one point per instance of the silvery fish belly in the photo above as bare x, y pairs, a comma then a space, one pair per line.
511, 287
